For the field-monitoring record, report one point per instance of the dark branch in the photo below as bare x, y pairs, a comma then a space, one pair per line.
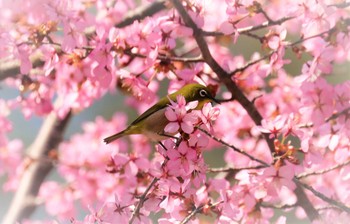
141, 13
336, 115
12, 68
142, 199
320, 172
166, 58
229, 169
220, 72
305, 203
307, 38
242, 69
247, 30
278, 207
197, 210
323, 197
235, 148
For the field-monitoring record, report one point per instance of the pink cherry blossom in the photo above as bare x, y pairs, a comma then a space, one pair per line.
278, 179
114, 211
179, 118
319, 100
273, 127
181, 160
208, 115
167, 189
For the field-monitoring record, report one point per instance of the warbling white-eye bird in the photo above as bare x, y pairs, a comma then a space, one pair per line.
153, 121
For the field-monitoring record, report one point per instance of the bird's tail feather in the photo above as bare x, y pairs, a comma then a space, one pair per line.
114, 137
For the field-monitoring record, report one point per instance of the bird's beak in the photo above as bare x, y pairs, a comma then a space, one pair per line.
213, 99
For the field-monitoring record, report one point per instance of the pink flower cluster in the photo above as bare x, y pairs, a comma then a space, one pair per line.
177, 114
94, 174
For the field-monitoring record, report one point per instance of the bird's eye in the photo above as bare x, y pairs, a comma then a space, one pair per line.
203, 93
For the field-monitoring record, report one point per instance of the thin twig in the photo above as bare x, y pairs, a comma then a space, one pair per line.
340, 5
267, 17
336, 115
241, 69
181, 59
198, 210
307, 38
230, 169
278, 207
141, 13
320, 172
234, 147
323, 197
265, 25
192, 214
12, 68
254, 36
166, 58
304, 202
328, 207
143, 197
250, 28
256, 97
142, 200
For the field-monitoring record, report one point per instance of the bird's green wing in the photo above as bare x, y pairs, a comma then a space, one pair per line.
162, 103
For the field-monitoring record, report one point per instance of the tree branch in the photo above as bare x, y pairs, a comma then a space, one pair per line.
234, 148
332, 117
336, 115
48, 138
233, 170
304, 202
247, 30
243, 68
166, 58
141, 13
307, 38
12, 68
278, 207
267, 17
322, 196
197, 210
142, 200
328, 207
239, 96
220, 72
320, 172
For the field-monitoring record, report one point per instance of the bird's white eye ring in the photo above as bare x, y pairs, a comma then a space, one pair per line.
203, 93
